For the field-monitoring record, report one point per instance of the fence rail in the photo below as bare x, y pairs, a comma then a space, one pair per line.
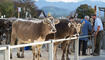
2, 48
51, 44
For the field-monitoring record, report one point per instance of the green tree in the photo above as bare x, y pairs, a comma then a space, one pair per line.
7, 8
27, 6
84, 10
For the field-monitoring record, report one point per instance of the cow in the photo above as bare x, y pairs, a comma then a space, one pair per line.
66, 44
29, 31
5, 30
64, 29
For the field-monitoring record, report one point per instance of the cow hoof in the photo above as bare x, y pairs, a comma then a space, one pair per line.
40, 55
21, 56
72, 51
18, 55
62, 59
68, 59
69, 52
11, 57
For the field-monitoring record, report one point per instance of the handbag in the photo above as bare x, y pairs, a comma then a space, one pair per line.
89, 43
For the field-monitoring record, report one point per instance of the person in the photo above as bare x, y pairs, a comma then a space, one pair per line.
71, 19
98, 29
86, 27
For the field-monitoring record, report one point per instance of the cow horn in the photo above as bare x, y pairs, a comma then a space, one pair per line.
56, 21
45, 20
69, 24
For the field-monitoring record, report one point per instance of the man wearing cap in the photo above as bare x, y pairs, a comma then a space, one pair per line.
98, 28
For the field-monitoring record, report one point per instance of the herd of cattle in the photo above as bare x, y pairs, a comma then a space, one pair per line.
23, 31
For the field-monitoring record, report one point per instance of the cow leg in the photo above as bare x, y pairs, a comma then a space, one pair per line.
64, 50
8, 37
39, 54
18, 51
55, 51
67, 50
6, 42
67, 54
63, 55
73, 46
0, 39
13, 39
34, 54
47, 47
22, 55
71, 50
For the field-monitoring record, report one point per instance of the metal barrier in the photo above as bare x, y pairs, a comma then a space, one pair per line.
51, 44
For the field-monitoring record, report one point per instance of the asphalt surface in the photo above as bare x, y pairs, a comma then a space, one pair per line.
29, 56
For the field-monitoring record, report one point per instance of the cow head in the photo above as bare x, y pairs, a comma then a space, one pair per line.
77, 26
74, 27
51, 24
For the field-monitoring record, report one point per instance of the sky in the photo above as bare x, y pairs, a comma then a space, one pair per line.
69, 0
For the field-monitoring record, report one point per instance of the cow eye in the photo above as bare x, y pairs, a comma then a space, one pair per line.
48, 24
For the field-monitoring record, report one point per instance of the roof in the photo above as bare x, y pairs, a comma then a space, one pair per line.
102, 9
39, 14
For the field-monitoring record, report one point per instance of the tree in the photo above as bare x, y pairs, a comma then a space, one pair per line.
27, 6
84, 10
6, 8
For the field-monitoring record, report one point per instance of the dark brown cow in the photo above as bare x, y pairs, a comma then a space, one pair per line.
66, 44
32, 31
5, 28
64, 29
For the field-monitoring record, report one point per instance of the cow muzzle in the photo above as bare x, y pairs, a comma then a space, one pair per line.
53, 31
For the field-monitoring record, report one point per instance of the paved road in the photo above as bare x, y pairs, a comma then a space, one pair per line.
28, 56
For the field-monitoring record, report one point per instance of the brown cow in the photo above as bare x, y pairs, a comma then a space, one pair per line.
67, 44
32, 31
64, 29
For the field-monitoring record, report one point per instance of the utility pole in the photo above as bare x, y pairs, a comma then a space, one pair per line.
19, 10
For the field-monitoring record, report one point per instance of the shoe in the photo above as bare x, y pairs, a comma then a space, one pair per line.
79, 54
91, 54
95, 54
84, 54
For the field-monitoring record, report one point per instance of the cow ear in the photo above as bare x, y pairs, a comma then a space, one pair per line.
45, 21
56, 21
69, 24
80, 24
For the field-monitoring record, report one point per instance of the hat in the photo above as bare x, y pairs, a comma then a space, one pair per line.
71, 18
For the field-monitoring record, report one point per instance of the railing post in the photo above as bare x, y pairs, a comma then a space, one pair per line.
51, 47
76, 49
7, 53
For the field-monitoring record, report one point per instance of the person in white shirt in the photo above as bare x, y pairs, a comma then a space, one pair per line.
98, 29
